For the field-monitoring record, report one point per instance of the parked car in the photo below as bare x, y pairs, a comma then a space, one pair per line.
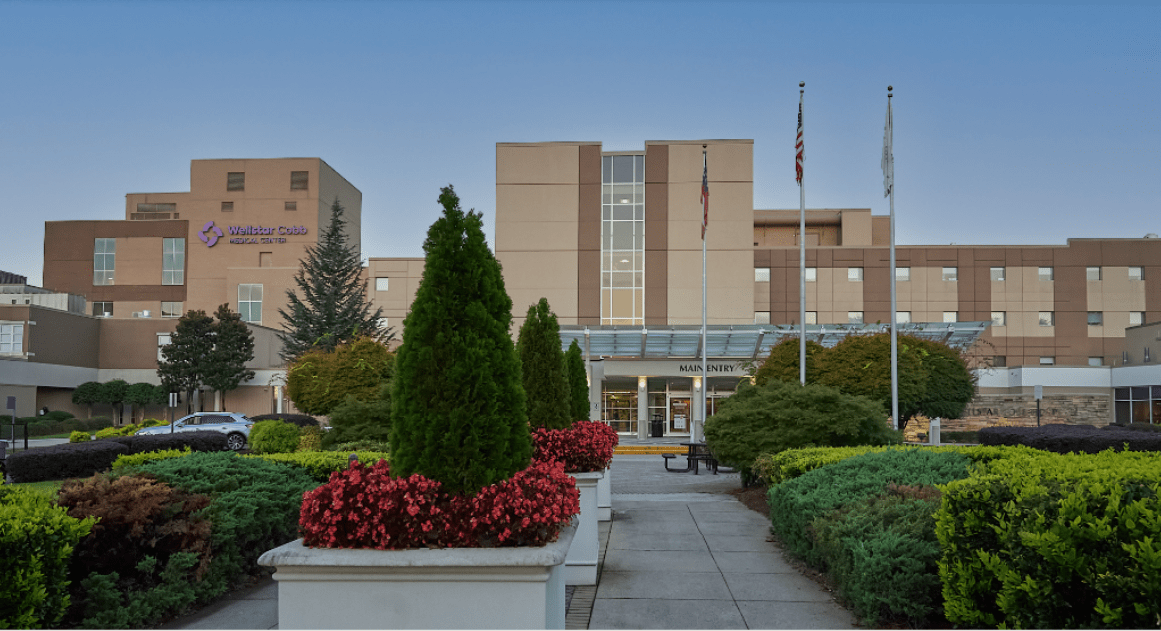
235, 426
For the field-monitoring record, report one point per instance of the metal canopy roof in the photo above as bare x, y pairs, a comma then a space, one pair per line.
743, 341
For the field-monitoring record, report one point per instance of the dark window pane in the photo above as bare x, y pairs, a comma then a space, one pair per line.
299, 180
1121, 394
622, 168
1140, 393
606, 169
1140, 411
639, 168
235, 181
1122, 412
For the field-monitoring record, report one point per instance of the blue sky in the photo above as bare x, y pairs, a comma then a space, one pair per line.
1014, 123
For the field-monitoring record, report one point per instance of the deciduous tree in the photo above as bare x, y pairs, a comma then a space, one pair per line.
320, 380
183, 366
233, 349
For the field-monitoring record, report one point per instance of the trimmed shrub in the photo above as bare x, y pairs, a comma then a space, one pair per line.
586, 446
321, 379
138, 459
578, 382
80, 437
81, 460
273, 437
301, 420
360, 445
1060, 438
548, 395
780, 416
796, 503
773, 469
37, 539
1054, 541
361, 420
321, 464
310, 439
41, 426
200, 440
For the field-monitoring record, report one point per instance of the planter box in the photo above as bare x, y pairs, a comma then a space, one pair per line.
581, 565
456, 588
605, 496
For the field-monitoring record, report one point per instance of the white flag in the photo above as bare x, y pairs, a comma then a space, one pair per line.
888, 156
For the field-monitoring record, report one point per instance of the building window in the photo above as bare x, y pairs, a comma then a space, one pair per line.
812, 317
173, 261
291, 206
102, 309
227, 207
299, 180
950, 273
623, 239
1147, 358
951, 316
999, 318
157, 208
384, 324
1095, 318
855, 274
265, 259
998, 273
1136, 318
1047, 318
999, 361
235, 181
1096, 361
761, 274
1044, 273
1136, 273
902, 317
761, 317
250, 302
812, 274
163, 340
1137, 404
1047, 361
381, 283
854, 317
170, 309
1092, 273
12, 339
104, 260
902, 274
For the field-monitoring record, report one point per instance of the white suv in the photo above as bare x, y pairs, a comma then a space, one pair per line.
235, 426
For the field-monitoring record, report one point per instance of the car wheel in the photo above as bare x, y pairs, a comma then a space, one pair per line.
235, 442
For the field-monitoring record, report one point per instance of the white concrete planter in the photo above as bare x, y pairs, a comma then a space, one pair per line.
605, 496
457, 588
581, 565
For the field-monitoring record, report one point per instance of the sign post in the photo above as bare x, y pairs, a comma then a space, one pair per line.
1038, 392
172, 404
12, 407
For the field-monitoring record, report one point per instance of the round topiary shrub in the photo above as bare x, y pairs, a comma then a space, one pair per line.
79, 437
273, 437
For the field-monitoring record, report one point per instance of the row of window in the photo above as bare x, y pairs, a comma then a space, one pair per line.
999, 318
236, 180
228, 207
169, 309
903, 274
172, 261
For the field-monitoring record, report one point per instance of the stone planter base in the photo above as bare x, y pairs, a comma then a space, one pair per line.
605, 496
458, 588
581, 565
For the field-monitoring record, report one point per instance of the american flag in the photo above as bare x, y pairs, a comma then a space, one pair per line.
704, 195
798, 144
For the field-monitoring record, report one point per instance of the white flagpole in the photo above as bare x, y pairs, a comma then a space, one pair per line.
704, 350
889, 184
800, 158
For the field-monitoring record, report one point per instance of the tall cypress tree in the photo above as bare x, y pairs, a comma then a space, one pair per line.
233, 349
458, 403
578, 382
334, 306
542, 363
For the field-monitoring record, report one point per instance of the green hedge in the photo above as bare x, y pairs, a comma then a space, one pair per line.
1054, 541
320, 464
273, 437
145, 457
776, 468
37, 539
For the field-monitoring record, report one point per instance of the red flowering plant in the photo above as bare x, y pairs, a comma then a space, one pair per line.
364, 507
586, 446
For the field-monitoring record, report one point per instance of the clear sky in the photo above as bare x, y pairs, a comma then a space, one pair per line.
1014, 123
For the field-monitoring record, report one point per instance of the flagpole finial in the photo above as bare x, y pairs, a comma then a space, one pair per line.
801, 84
889, 95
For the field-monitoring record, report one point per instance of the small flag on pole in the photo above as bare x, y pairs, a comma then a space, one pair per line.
704, 195
888, 155
798, 144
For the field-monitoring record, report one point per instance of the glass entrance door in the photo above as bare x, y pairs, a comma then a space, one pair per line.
679, 417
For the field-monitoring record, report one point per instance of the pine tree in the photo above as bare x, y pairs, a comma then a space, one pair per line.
578, 381
233, 349
458, 411
334, 306
182, 368
542, 363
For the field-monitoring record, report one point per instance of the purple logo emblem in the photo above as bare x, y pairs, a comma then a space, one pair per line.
214, 231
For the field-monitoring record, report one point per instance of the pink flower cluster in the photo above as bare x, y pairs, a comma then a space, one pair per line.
364, 507
586, 446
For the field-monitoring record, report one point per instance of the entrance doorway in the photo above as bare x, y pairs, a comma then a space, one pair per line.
679, 416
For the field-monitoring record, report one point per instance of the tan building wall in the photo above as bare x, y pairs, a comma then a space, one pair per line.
402, 278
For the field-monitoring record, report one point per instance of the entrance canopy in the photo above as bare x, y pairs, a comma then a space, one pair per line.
743, 341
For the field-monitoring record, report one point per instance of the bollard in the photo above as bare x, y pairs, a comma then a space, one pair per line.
352, 459
933, 431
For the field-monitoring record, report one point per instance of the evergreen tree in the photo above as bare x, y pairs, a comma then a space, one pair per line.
182, 368
333, 306
542, 363
458, 412
233, 349
578, 381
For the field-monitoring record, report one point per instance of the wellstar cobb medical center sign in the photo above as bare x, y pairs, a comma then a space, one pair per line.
210, 234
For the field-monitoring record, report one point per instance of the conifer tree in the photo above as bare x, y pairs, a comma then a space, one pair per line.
333, 306
458, 411
542, 362
578, 381
233, 349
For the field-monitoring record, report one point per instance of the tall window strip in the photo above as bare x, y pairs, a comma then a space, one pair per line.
104, 260
12, 339
173, 261
250, 302
623, 239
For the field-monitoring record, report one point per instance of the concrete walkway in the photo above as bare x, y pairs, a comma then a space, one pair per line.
679, 554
